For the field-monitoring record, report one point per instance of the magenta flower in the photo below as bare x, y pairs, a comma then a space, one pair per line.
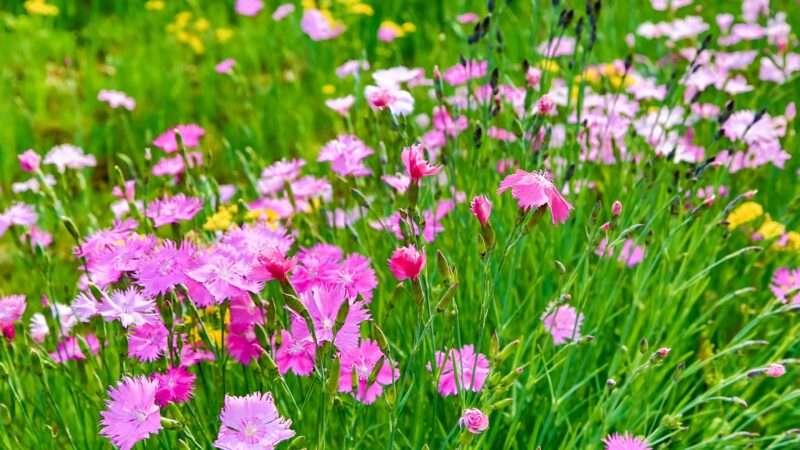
297, 351
481, 208
356, 366
546, 106
116, 99
786, 285
11, 309
631, 254
461, 73
625, 441
461, 370
69, 349
190, 134
356, 276
276, 264
318, 27
29, 161
391, 97
252, 422
616, 208
131, 413
474, 420
535, 189
164, 268
174, 386
148, 341
282, 11
406, 263
173, 209
225, 66
224, 276
248, 7
564, 324
244, 346
276, 175
323, 304
346, 154
130, 307
416, 166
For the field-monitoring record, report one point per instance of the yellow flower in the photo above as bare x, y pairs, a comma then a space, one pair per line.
183, 18
746, 212
793, 241
409, 27
328, 89
309, 4
41, 8
222, 219
201, 25
616, 81
197, 44
549, 65
154, 5
362, 9
592, 75
224, 34
771, 229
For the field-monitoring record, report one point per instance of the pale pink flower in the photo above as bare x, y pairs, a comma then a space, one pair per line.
406, 263
467, 17
190, 135
69, 349
11, 309
282, 11
563, 323
352, 67
341, 105
346, 154
252, 422
248, 7
38, 327
297, 352
399, 182
177, 208
546, 106
535, 189
131, 413
67, 156
474, 420
318, 26
398, 101
116, 99
775, 370
461, 73
148, 341
130, 307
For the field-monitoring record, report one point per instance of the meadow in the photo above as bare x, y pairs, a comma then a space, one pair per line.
389, 224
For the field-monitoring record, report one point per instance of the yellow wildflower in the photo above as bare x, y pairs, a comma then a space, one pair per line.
201, 24
771, 229
309, 4
328, 89
154, 5
409, 27
222, 219
362, 9
549, 65
41, 8
746, 212
224, 34
792, 241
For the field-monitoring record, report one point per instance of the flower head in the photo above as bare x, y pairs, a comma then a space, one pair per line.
533, 189
481, 208
252, 422
29, 160
356, 367
319, 26
248, 7
131, 413
130, 307
174, 386
11, 310
190, 135
173, 209
406, 263
474, 420
416, 166
225, 66
148, 341
775, 370
625, 441
398, 101
67, 156
116, 99
461, 369
563, 323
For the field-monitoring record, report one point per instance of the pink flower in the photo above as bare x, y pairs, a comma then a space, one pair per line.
174, 386
38, 327
561, 46
148, 341
190, 134
461, 73
282, 11
276, 264
481, 208
468, 17
399, 182
297, 352
225, 66
416, 166
319, 27
164, 268
29, 161
387, 33
131, 413
616, 208
244, 346
11, 309
248, 7
398, 101
775, 370
355, 275
130, 307
352, 67
67, 156
786, 285
341, 105
631, 254
625, 441
406, 263
251, 422
224, 276
474, 420
279, 173
461, 370
546, 106
323, 304
116, 99
346, 154
534, 189
69, 349
501, 134
357, 364
663, 352
173, 209
564, 324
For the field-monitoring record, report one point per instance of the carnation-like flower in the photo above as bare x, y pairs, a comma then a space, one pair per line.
474, 420
69, 349
225, 66
461, 369
356, 367
320, 26
481, 208
173, 209
147, 342
174, 386
67, 156
406, 263
625, 441
29, 160
252, 422
130, 307
297, 352
248, 7
116, 99
190, 135
323, 304
416, 165
535, 189
11, 309
131, 413
346, 154
563, 323
282, 11
398, 101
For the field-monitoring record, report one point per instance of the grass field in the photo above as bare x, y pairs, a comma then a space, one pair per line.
396, 224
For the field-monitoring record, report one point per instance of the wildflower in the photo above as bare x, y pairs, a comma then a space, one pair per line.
399, 182
616, 208
625, 441
663, 352
130, 307
546, 106
116, 99
481, 208
224, 276
222, 219
319, 25
164, 268
631, 254
535, 189
461, 73
416, 166
29, 161
474, 420
67, 156
40, 8
563, 323
251, 421
769, 229
173, 209
174, 386
244, 346
356, 367
351, 67
323, 304
296, 352
744, 213
398, 101
406, 263
346, 154
131, 413
20, 214
786, 285
389, 30
501, 134
561, 46
225, 66
69, 349
248, 7
467, 18
341, 105
11, 309
461, 370
190, 136
148, 341
282, 11
38, 327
